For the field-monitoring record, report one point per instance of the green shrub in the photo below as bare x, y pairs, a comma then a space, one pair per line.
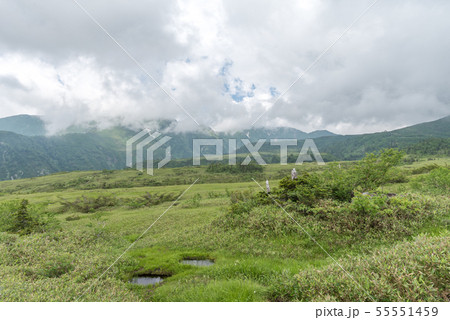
89, 204
260, 221
269, 221
339, 182
23, 222
7, 210
194, 202
368, 204
255, 214
241, 196
373, 170
424, 169
396, 176
409, 271
149, 199
214, 195
409, 159
377, 216
19, 216
73, 218
332, 203
239, 208
218, 167
437, 181
242, 202
307, 189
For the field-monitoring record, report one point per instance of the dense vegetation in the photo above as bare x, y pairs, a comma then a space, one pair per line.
236, 169
343, 201
33, 156
431, 146
426, 258
384, 221
18, 216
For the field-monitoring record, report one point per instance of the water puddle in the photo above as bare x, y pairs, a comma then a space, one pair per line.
146, 280
198, 262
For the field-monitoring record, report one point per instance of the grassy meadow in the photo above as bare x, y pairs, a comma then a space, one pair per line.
59, 233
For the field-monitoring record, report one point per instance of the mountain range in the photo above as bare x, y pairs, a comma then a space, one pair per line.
23, 124
25, 151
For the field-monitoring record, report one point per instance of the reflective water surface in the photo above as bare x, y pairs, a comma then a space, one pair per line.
146, 280
198, 263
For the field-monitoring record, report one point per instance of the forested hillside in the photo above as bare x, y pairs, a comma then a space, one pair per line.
30, 156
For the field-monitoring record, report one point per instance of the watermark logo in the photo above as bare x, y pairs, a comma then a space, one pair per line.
308, 147
145, 140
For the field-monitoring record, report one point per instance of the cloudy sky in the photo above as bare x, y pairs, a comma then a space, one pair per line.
227, 62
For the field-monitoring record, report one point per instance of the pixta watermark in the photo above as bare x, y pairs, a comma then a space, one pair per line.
146, 142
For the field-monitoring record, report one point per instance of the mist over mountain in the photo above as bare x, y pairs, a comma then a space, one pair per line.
227, 65
25, 152
23, 124
29, 125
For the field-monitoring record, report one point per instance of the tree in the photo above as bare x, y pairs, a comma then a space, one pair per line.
23, 222
372, 170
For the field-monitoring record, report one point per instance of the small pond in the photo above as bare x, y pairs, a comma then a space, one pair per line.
146, 280
198, 262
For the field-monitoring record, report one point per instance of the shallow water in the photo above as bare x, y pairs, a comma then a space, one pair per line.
198, 263
146, 280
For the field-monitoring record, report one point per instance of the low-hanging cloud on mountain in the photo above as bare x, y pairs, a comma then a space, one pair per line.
226, 62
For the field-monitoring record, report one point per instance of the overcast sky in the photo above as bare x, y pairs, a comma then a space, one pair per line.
226, 62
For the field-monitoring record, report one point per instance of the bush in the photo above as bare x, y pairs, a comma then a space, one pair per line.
409, 159
373, 170
23, 222
73, 218
218, 167
89, 204
332, 203
242, 202
241, 196
307, 189
437, 181
396, 176
409, 271
269, 221
20, 217
424, 169
214, 195
149, 199
339, 184
376, 216
368, 204
194, 202
260, 221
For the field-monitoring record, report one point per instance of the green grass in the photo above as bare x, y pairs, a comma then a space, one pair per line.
59, 265
409, 271
120, 179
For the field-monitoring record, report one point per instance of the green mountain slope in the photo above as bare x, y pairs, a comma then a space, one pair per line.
22, 156
438, 128
279, 133
23, 124
30, 156
415, 139
354, 147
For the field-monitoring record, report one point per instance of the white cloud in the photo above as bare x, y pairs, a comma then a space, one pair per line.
226, 61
